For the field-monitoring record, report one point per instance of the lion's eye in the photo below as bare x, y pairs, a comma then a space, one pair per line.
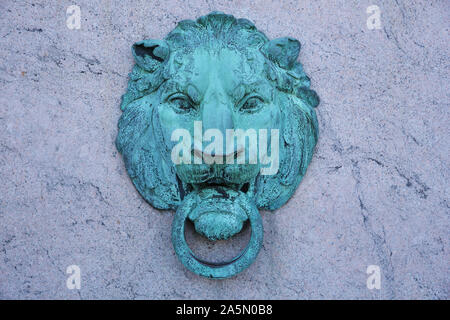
252, 104
181, 103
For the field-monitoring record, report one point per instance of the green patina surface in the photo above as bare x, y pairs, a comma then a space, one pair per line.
224, 72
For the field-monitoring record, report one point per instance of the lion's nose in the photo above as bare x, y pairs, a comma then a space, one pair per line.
217, 116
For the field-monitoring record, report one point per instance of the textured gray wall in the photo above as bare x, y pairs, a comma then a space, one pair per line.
376, 192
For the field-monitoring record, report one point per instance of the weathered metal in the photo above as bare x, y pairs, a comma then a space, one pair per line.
224, 74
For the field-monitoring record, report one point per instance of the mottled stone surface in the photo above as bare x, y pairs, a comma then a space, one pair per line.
376, 191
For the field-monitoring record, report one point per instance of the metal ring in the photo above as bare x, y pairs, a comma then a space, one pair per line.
216, 270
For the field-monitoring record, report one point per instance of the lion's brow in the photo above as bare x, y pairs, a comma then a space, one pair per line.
244, 88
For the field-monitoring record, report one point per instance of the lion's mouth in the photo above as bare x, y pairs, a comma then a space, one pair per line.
216, 183
217, 213
220, 183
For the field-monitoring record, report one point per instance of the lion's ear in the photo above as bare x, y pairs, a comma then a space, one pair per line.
282, 51
149, 54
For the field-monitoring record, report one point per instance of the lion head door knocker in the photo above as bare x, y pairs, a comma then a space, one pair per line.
217, 122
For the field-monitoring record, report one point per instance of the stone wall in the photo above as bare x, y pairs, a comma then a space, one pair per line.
376, 191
